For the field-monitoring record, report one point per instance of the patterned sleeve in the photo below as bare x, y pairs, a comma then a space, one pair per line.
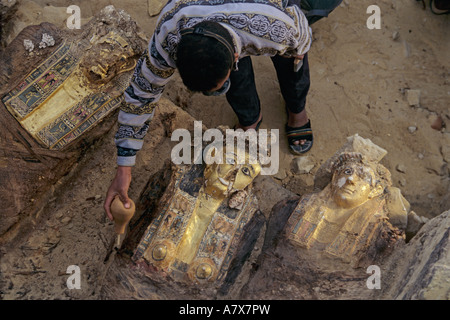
303, 32
140, 98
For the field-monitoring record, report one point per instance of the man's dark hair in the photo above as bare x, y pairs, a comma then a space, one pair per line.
204, 55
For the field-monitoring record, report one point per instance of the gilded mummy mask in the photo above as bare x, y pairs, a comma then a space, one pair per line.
353, 182
236, 173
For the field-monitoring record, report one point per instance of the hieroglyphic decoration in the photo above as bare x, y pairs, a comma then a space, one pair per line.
41, 82
56, 104
78, 120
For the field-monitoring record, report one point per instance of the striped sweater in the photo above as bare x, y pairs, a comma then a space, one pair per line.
258, 27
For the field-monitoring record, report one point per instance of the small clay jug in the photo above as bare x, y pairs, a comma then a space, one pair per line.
121, 214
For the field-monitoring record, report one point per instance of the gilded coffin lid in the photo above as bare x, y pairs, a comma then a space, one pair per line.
218, 244
56, 103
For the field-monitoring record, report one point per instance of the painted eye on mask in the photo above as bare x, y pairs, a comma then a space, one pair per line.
348, 171
246, 171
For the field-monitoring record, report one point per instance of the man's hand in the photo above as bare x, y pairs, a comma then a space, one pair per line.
298, 58
297, 61
119, 187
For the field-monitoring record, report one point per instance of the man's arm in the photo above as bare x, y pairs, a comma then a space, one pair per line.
150, 76
147, 84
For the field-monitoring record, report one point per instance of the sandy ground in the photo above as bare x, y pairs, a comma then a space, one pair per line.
360, 82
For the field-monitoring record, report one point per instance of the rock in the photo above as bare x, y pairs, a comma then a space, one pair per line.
28, 44
412, 129
66, 220
47, 41
413, 97
395, 35
401, 168
302, 165
280, 175
398, 208
155, 7
415, 222
419, 270
435, 164
437, 123
370, 151
406, 49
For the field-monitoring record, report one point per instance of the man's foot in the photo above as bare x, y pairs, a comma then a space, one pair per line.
440, 7
296, 120
299, 133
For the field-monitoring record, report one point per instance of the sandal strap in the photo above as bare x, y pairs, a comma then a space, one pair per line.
299, 133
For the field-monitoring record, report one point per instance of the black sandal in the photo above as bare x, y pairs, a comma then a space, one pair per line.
441, 7
300, 133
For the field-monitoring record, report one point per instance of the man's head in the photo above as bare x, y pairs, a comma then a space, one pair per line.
205, 56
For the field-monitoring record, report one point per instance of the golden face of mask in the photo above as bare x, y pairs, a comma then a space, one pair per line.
108, 56
352, 185
223, 179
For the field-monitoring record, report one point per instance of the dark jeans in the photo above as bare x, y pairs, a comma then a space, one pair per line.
316, 9
242, 95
